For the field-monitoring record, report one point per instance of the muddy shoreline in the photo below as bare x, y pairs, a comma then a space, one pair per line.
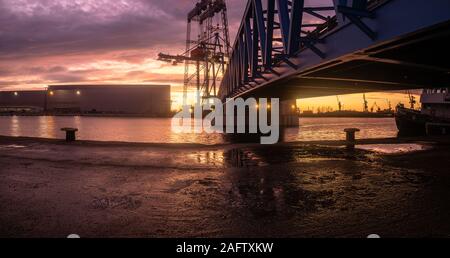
311, 189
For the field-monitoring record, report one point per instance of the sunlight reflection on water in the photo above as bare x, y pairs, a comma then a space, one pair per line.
158, 130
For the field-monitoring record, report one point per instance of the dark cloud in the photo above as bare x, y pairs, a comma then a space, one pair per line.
30, 28
67, 30
46, 38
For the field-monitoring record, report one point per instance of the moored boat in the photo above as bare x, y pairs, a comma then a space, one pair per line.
411, 121
432, 118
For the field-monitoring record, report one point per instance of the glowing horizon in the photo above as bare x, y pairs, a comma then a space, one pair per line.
107, 42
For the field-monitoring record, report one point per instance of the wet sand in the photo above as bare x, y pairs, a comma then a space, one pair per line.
318, 189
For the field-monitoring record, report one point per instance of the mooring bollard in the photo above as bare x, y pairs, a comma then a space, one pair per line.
351, 139
70, 134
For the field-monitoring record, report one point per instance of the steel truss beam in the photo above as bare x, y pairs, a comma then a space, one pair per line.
281, 54
355, 12
270, 34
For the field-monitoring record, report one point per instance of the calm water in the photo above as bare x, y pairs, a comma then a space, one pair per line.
159, 130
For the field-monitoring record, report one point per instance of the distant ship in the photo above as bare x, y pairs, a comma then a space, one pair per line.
433, 118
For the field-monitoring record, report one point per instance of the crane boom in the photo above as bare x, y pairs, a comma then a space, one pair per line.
208, 51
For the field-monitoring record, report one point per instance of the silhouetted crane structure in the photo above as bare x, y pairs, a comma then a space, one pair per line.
366, 104
389, 105
375, 105
412, 100
339, 103
209, 51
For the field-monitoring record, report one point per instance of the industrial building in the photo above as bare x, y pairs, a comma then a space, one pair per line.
22, 101
146, 100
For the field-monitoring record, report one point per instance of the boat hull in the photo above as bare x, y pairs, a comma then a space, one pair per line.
411, 122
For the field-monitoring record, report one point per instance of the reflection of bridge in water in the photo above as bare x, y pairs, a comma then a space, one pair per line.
370, 45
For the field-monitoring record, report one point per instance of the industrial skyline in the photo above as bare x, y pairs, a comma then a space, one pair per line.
96, 42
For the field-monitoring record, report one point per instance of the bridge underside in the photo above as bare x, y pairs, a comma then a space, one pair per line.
369, 45
416, 61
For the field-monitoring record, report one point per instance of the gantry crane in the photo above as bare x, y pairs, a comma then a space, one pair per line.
209, 51
412, 100
388, 102
389, 105
339, 103
373, 107
366, 104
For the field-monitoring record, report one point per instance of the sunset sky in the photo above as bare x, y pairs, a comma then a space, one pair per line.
46, 42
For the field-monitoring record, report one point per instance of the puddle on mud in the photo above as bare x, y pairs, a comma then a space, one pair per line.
12, 146
282, 155
394, 148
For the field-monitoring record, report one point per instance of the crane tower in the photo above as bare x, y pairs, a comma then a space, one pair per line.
207, 49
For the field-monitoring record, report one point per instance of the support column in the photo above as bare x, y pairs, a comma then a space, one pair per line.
289, 115
339, 15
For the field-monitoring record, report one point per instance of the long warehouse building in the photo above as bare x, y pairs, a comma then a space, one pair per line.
26, 101
148, 100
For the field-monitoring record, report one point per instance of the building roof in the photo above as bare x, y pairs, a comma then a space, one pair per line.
104, 86
22, 91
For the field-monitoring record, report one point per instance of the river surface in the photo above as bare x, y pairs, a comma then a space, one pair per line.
154, 130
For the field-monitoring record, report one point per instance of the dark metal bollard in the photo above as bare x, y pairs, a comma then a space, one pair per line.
70, 134
351, 139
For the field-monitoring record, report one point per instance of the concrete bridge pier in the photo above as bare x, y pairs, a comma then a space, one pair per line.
288, 117
289, 113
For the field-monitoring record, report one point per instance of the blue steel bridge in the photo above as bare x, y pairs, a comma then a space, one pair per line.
350, 47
